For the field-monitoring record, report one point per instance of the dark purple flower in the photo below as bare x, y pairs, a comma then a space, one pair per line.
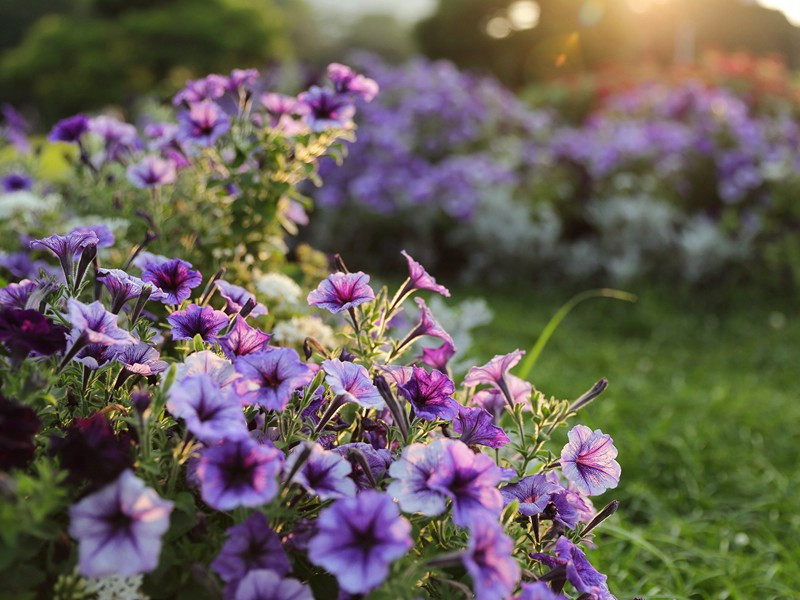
197, 320
265, 584
377, 461
419, 279
91, 450
358, 538
27, 331
119, 528
438, 357
538, 591
533, 493
352, 382
489, 560
15, 295
494, 371
139, 359
16, 182
70, 129
477, 427
588, 461
18, 425
239, 472
212, 413
203, 123
580, 573
236, 297
430, 395
327, 109
242, 340
269, 378
342, 291
251, 545
152, 171
95, 324
174, 277
209, 87
346, 81
324, 473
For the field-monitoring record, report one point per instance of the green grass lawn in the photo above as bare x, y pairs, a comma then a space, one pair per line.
704, 407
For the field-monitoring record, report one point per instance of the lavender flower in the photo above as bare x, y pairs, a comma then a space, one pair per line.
269, 378
139, 359
430, 395
588, 460
151, 172
342, 291
206, 362
264, 584
327, 109
477, 427
438, 357
324, 473
495, 371
236, 297
239, 472
241, 78
209, 87
411, 473
489, 560
119, 528
418, 278
197, 320
119, 138
538, 591
580, 573
358, 538
174, 277
212, 413
346, 81
105, 237
242, 340
352, 382
493, 400
533, 493
15, 182
428, 325
66, 247
70, 129
96, 356
203, 123
95, 324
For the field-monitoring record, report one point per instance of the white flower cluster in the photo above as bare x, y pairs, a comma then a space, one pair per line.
116, 588
294, 332
279, 289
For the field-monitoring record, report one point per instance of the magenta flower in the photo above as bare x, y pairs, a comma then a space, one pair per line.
580, 573
347, 81
212, 413
489, 560
70, 129
151, 172
236, 297
95, 324
119, 528
325, 474
25, 332
265, 584
495, 371
352, 382
282, 111
327, 109
197, 320
358, 538
477, 427
588, 461
430, 395
342, 291
241, 78
203, 123
269, 378
239, 472
242, 340
174, 277
438, 357
419, 279
533, 493
139, 359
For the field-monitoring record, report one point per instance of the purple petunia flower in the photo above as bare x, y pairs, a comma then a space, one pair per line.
419, 279
493, 400
411, 473
282, 109
119, 528
534, 494
96, 356
95, 324
345, 81
358, 538
151, 172
207, 362
477, 427
124, 287
139, 359
377, 460
145, 260
15, 295
28, 331
119, 138
67, 247
18, 426
242, 340
174, 277
438, 357
212, 413
269, 378
236, 297
494, 371
15, 182
325, 474
239, 472
251, 545
580, 573
265, 584
203, 123
352, 382
105, 237
342, 291
197, 320
428, 325
327, 109
209, 87
538, 591
70, 129
588, 461
430, 395
16, 128
489, 560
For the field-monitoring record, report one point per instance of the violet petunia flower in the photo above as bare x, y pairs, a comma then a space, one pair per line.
119, 528
269, 378
377, 461
211, 413
428, 325
438, 357
26, 332
241, 78
324, 473
236, 297
145, 260
347, 81
265, 584
151, 172
493, 399
538, 590
411, 473
342, 291
70, 129
96, 356
430, 394
175, 278
120, 138
209, 363
124, 287
495, 371
139, 359
209, 87
203, 123
251, 545
105, 237
67, 247
477, 427
327, 109
15, 182
95, 324
358, 538
489, 560
580, 573
533, 493
16, 128
419, 279
15, 295
588, 461
352, 382
242, 340
197, 320
282, 111
239, 472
